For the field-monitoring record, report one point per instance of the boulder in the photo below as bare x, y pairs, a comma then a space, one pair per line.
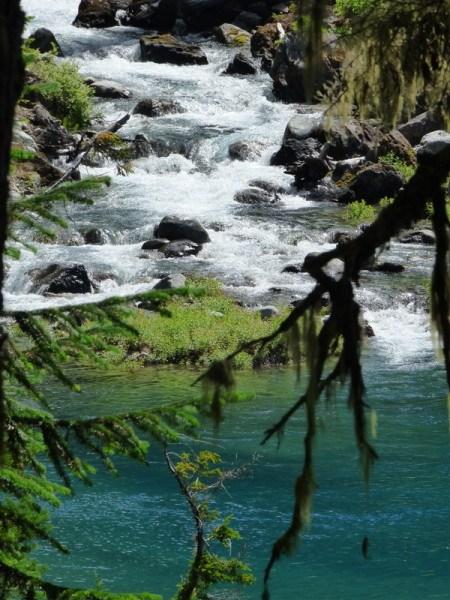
395, 143
294, 152
174, 228
44, 40
157, 107
419, 236
48, 132
245, 150
104, 88
255, 197
180, 248
311, 171
264, 41
168, 49
267, 186
96, 236
295, 269
99, 13
171, 282
141, 146
414, 129
248, 20
156, 15
241, 65
155, 244
303, 126
231, 35
386, 267
372, 183
202, 15
72, 279
434, 148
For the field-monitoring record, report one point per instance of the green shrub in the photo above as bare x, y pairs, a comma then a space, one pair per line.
349, 8
359, 211
62, 90
403, 169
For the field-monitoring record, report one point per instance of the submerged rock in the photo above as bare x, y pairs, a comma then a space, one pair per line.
175, 228
96, 236
241, 65
157, 107
180, 248
168, 49
268, 186
155, 244
103, 88
245, 150
255, 196
171, 282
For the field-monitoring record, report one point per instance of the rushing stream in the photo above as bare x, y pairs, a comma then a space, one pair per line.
134, 533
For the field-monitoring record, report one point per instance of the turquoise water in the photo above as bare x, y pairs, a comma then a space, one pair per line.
134, 533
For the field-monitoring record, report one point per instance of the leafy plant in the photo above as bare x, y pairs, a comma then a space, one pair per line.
359, 211
405, 170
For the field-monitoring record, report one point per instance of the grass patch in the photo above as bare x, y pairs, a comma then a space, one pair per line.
359, 211
402, 168
198, 331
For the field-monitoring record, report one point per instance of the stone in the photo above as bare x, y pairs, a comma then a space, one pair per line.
180, 248
155, 15
96, 236
292, 269
245, 150
255, 196
414, 129
419, 236
99, 13
268, 312
231, 35
368, 329
157, 107
141, 146
241, 65
171, 282
264, 40
70, 280
155, 244
386, 267
104, 88
168, 49
311, 171
340, 237
434, 148
176, 228
203, 15
44, 40
294, 152
268, 186
372, 183
48, 132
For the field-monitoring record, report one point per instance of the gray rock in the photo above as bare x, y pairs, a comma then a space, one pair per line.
245, 150
311, 171
419, 236
180, 248
295, 269
44, 40
255, 196
48, 132
168, 49
171, 282
72, 279
99, 13
175, 228
104, 88
96, 236
241, 65
414, 129
157, 107
267, 186
155, 15
268, 312
293, 152
434, 148
372, 183
155, 244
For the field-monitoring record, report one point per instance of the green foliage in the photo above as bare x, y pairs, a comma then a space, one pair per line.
359, 211
200, 330
61, 87
402, 168
349, 8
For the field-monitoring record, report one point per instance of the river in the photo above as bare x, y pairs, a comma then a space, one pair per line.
134, 532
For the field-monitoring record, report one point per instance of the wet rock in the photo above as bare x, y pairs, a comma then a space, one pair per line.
175, 228
96, 236
345, 170
157, 107
434, 148
414, 129
141, 147
264, 41
241, 65
99, 13
294, 152
267, 186
49, 134
372, 183
255, 196
340, 237
104, 88
311, 171
201, 15
171, 282
59, 279
419, 236
180, 248
386, 267
245, 150
368, 329
248, 20
168, 49
154, 244
295, 269
156, 15
231, 35
44, 40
